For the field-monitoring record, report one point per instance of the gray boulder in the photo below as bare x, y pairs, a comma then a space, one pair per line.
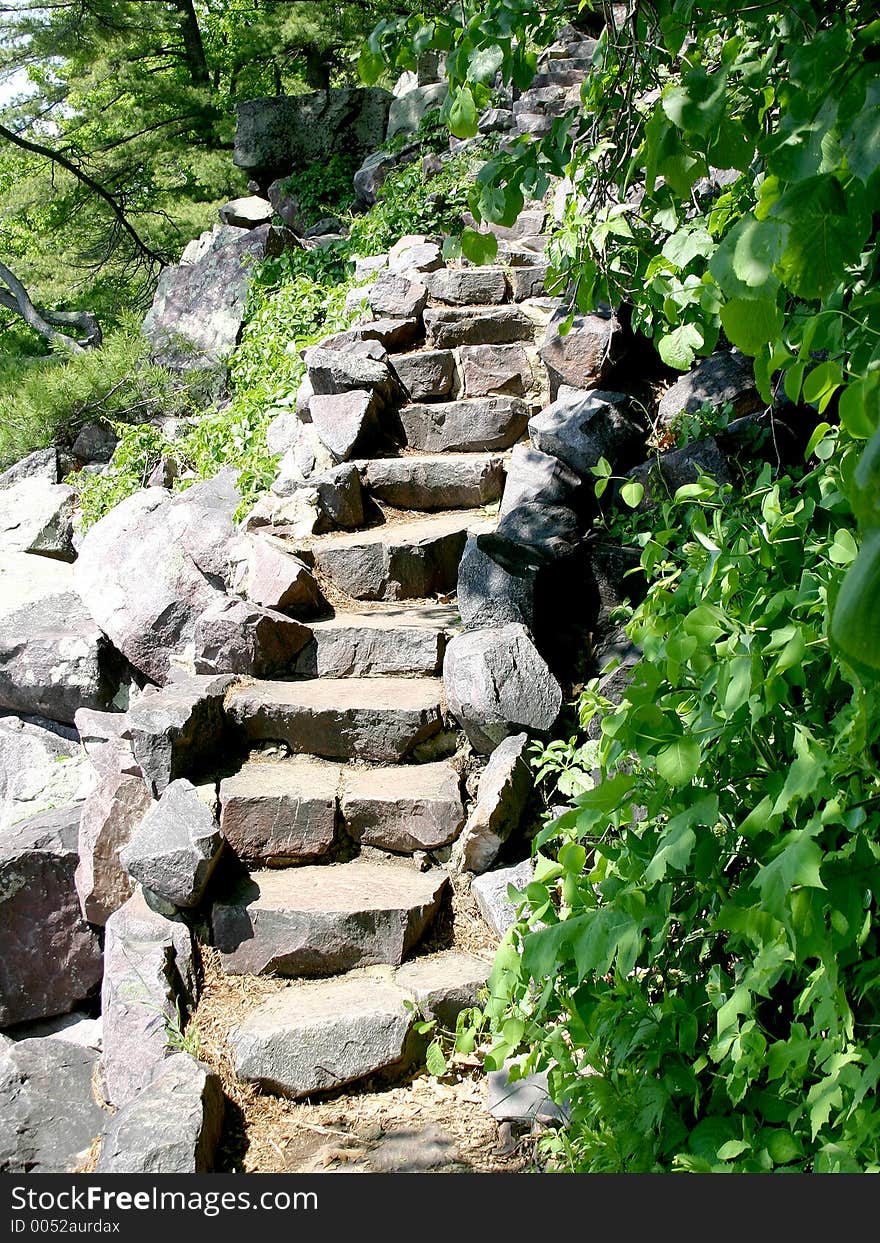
269, 576
369, 177
428, 373
49, 1116
275, 135
150, 568
176, 846
95, 443
449, 326
41, 767
489, 596
491, 369
233, 636
109, 817
149, 987
503, 792
50, 959
531, 536
723, 377
415, 253
171, 1127
407, 110
498, 684
468, 286
669, 471
444, 984
41, 464
276, 814
580, 428
464, 426
392, 294
247, 213
490, 894
339, 371
536, 477
346, 422
37, 517
523, 1100
585, 353
178, 731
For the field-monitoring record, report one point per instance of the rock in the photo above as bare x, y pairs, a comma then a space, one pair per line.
282, 433
385, 334
95, 443
109, 817
490, 893
668, 472
149, 986
175, 848
315, 1037
390, 642
49, 1116
274, 135
164, 473
426, 374
247, 213
491, 369
233, 636
528, 281
273, 578
198, 308
366, 718
469, 426
498, 684
369, 177
536, 477
444, 984
50, 959
585, 353
308, 457
490, 596
286, 206
178, 731
402, 809
394, 295
415, 253
346, 422
75, 1028
340, 497
339, 371
521, 1100
104, 738
503, 792
37, 517
406, 111
530, 536
468, 286
41, 464
582, 427
450, 481
723, 377
323, 919
171, 1127
152, 566
448, 327
41, 767
280, 813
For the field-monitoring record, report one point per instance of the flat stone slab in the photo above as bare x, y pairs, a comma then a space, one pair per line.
467, 286
277, 813
321, 920
402, 809
316, 1037
444, 984
398, 561
449, 326
473, 425
448, 481
408, 639
341, 718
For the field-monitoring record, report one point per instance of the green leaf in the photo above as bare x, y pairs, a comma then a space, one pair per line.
678, 839
461, 113
696, 104
821, 383
478, 247
798, 863
632, 493
679, 761
678, 348
751, 323
844, 548
435, 1060
758, 247
827, 229
733, 1148
854, 626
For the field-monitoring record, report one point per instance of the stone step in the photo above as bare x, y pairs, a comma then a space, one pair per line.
449, 326
323, 920
405, 808
409, 560
478, 286
436, 481
280, 812
379, 719
389, 641
473, 425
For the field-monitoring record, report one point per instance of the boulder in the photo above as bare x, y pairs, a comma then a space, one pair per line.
175, 848
95, 443
233, 636
723, 377
339, 371
449, 481
369, 177
387, 333
37, 517
390, 642
149, 986
467, 286
41, 464
346, 423
491, 369
469, 426
49, 1116
285, 204
392, 294
50, 959
444, 984
284, 132
402, 809
488, 595
198, 308
280, 813
247, 213
41, 767
530, 536
449, 326
171, 1127
669, 471
580, 428
178, 731
276, 580
536, 477
429, 373
524, 1100
152, 566
415, 253
110, 815
498, 684
406, 111
528, 280
317, 1036
490, 894
502, 794
105, 739
584, 355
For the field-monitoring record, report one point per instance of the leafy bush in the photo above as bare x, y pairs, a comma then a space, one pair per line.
699, 964
324, 189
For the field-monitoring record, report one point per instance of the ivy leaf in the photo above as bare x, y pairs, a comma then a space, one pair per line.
678, 762
632, 493
687, 244
479, 248
696, 105
484, 63
860, 141
435, 1060
751, 322
758, 247
798, 863
678, 348
461, 113
678, 839
826, 233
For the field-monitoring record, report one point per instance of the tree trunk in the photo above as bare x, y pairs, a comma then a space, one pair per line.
18, 300
193, 44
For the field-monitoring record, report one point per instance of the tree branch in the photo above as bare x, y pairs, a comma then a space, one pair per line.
18, 300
